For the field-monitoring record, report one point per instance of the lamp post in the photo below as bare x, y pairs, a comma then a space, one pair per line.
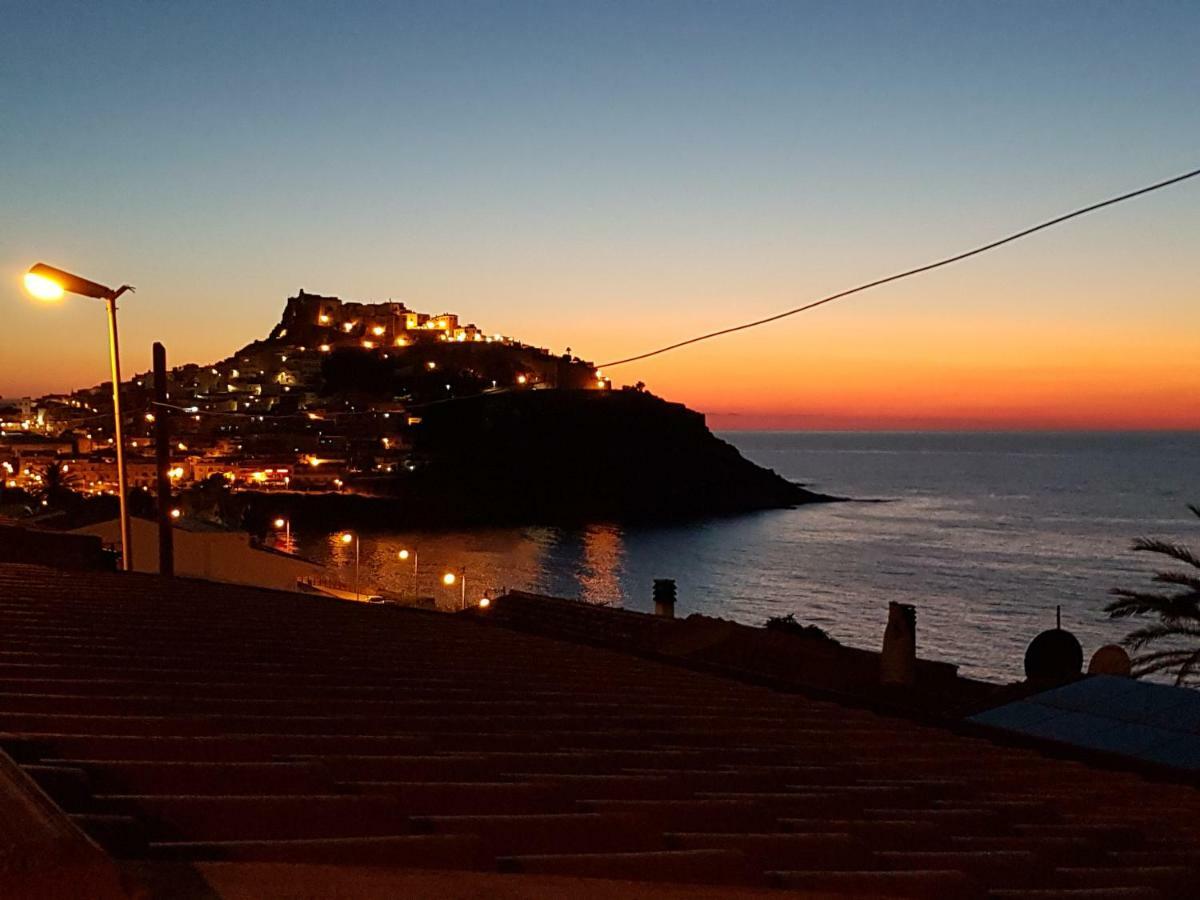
286, 526
48, 283
405, 554
449, 578
347, 537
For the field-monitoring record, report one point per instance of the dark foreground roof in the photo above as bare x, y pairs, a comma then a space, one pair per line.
253, 742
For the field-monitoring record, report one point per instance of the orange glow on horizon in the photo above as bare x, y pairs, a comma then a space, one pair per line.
938, 374
1081, 352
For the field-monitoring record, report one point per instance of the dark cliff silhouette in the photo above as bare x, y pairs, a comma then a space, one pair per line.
553, 457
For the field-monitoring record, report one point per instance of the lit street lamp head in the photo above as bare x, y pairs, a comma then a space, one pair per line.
403, 554
279, 523
42, 287
48, 283
449, 578
347, 537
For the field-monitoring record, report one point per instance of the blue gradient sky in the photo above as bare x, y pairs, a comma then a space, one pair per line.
614, 176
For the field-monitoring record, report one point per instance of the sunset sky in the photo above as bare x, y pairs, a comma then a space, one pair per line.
613, 177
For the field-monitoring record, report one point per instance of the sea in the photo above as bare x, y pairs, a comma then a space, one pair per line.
989, 535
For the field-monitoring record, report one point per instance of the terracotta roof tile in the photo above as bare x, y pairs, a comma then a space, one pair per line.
210, 725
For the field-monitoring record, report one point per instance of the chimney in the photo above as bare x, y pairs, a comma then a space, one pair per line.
664, 597
898, 661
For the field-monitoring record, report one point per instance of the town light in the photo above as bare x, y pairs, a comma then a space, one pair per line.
48, 283
279, 523
449, 578
347, 537
484, 603
176, 513
521, 379
377, 330
403, 554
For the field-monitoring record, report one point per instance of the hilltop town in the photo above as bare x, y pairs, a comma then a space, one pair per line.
330, 397
360, 398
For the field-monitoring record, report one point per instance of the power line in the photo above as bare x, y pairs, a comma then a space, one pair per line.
925, 268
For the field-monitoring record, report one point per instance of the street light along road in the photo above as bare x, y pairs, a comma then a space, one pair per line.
347, 538
449, 578
48, 283
285, 525
403, 555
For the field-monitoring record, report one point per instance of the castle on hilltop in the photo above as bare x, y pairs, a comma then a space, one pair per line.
329, 322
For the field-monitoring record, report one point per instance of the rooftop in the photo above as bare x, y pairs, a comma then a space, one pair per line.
260, 743
1157, 723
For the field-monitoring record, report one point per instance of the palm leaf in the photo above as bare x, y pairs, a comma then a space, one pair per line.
1182, 579
1166, 548
1138, 603
1187, 669
1178, 613
1151, 633
1150, 663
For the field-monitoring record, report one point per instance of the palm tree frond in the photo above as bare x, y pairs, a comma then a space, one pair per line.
1183, 579
1150, 663
1136, 603
1178, 614
1166, 548
1187, 670
1149, 634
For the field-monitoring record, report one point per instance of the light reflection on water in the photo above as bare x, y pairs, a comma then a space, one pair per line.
984, 533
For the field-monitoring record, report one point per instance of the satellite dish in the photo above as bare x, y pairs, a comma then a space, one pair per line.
1110, 660
1054, 655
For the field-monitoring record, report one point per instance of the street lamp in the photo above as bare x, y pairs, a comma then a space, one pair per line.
404, 555
449, 578
285, 525
346, 538
48, 283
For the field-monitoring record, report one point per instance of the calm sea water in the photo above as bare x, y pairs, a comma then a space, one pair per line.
985, 533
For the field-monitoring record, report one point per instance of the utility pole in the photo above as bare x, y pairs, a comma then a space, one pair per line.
162, 458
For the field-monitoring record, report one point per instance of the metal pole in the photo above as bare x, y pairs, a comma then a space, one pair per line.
464, 589
114, 358
356, 595
162, 458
